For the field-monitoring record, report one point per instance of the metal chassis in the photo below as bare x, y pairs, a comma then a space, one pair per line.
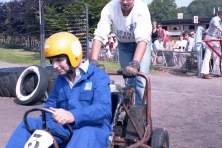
143, 139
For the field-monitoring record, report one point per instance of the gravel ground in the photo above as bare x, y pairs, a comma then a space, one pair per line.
189, 108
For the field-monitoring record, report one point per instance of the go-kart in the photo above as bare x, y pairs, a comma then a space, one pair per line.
132, 123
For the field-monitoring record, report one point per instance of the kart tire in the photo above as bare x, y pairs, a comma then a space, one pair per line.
160, 138
36, 79
138, 114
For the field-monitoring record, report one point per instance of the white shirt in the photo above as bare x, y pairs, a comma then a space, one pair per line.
190, 44
82, 68
180, 43
158, 45
132, 28
215, 21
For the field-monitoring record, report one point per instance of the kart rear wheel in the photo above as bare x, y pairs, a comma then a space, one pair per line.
160, 138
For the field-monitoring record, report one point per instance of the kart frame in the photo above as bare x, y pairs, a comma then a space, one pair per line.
143, 139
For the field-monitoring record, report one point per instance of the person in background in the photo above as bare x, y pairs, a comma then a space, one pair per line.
179, 46
154, 31
166, 39
162, 51
192, 34
214, 28
190, 41
115, 44
180, 43
182, 59
80, 97
109, 44
131, 23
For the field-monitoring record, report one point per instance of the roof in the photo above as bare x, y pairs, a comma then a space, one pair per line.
184, 21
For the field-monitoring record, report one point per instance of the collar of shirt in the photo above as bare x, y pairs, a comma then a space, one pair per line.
82, 69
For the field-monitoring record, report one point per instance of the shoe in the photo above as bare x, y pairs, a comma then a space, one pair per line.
220, 75
206, 76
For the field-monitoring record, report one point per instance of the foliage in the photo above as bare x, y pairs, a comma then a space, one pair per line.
201, 8
163, 9
20, 18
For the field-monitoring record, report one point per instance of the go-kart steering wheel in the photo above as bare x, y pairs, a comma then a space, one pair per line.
43, 111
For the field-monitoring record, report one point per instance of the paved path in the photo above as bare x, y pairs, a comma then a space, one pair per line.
190, 109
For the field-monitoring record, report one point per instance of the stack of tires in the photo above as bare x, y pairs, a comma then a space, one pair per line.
27, 84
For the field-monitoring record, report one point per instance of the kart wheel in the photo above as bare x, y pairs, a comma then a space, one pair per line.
160, 138
31, 85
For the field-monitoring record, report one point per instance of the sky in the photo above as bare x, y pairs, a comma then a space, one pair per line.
180, 3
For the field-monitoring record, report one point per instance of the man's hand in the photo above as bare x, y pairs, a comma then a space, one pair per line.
131, 70
62, 116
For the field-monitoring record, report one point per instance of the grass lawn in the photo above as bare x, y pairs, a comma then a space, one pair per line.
21, 56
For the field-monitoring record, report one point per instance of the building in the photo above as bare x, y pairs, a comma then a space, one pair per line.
179, 25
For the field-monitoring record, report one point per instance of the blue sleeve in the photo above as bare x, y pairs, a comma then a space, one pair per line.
53, 97
100, 109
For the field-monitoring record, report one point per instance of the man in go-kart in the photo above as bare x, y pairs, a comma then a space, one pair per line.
80, 96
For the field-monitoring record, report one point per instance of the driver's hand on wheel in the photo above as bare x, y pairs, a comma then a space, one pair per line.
62, 116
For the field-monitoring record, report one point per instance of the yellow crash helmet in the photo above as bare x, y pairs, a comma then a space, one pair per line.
64, 43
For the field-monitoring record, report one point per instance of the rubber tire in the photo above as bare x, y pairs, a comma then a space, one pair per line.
7, 87
40, 85
8, 79
160, 138
138, 113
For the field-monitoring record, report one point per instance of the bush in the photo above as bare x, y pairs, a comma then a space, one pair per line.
31, 48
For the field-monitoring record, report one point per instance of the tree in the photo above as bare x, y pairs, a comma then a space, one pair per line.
20, 18
3, 19
163, 9
201, 8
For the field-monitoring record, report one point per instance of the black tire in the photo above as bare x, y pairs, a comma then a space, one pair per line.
8, 79
138, 113
160, 138
8, 86
39, 80
4, 88
1, 92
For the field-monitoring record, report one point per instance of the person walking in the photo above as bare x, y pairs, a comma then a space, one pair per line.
214, 28
131, 23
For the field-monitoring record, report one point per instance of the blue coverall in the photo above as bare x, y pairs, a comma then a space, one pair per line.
89, 101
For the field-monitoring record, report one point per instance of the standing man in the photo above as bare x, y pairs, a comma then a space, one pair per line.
214, 28
131, 23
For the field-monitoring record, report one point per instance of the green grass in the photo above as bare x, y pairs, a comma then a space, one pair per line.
21, 56
110, 66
